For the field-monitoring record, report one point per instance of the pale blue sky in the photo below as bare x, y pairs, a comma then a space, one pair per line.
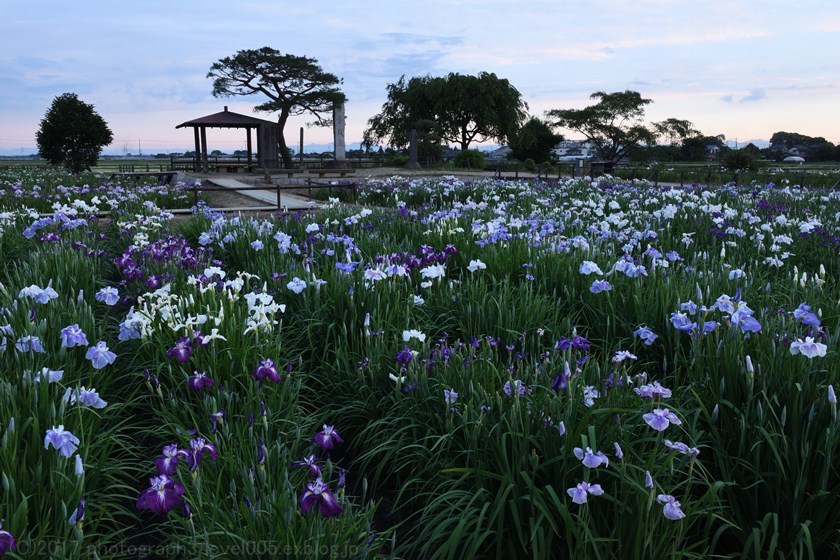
742, 68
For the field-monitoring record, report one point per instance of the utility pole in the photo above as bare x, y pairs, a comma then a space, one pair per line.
139, 150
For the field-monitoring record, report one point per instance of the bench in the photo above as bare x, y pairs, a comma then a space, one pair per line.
332, 172
291, 172
229, 166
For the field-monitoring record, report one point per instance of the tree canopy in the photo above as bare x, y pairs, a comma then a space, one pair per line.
457, 109
614, 124
72, 134
535, 140
294, 85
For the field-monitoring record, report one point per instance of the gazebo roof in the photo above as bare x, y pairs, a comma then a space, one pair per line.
225, 119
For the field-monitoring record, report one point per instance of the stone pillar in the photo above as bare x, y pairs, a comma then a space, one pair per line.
340, 160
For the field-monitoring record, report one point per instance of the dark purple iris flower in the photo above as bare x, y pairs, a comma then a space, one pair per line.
267, 368
404, 356
327, 437
198, 448
7, 541
200, 380
162, 496
78, 515
181, 351
318, 494
167, 463
310, 463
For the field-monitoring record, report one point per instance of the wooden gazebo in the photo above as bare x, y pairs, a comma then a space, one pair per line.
267, 154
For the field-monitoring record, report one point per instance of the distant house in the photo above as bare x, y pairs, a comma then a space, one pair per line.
500, 153
575, 149
712, 152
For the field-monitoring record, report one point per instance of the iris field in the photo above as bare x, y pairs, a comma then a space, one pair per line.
488, 369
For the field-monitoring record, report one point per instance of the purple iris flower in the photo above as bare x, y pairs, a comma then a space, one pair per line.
404, 356
590, 458
78, 515
648, 481
671, 508
647, 335
599, 286
30, 344
517, 387
73, 336
100, 356
84, 396
198, 448
318, 494
579, 493
267, 368
200, 380
450, 396
7, 541
653, 391
108, 295
327, 437
62, 440
181, 351
710, 326
619, 454
168, 461
746, 323
681, 447
804, 315
660, 418
682, 323
162, 496
310, 463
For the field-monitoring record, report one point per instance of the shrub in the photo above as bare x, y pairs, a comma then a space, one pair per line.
470, 159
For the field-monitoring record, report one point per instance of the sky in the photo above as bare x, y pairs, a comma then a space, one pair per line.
741, 68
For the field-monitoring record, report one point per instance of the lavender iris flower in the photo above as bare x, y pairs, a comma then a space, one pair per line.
87, 397
517, 387
671, 508
30, 344
327, 437
619, 454
100, 356
162, 496
647, 335
450, 397
62, 440
599, 286
648, 481
73, 336
808, 348
108, 295
590, 458
653, 391
296, 285
804, 315
579, 493
318, 494
660, 418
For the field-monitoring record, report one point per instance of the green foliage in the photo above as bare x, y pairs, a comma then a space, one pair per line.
740, 160
614, 124
294, 85
457, 109
470, 159
535, 140
72, 134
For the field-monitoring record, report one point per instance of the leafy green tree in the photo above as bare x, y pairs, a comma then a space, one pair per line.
614, 124
535, 140
72, 134
294, 85
456, 109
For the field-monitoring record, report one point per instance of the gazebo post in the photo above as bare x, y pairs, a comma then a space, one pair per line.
196, 160
250, 158
205, 165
